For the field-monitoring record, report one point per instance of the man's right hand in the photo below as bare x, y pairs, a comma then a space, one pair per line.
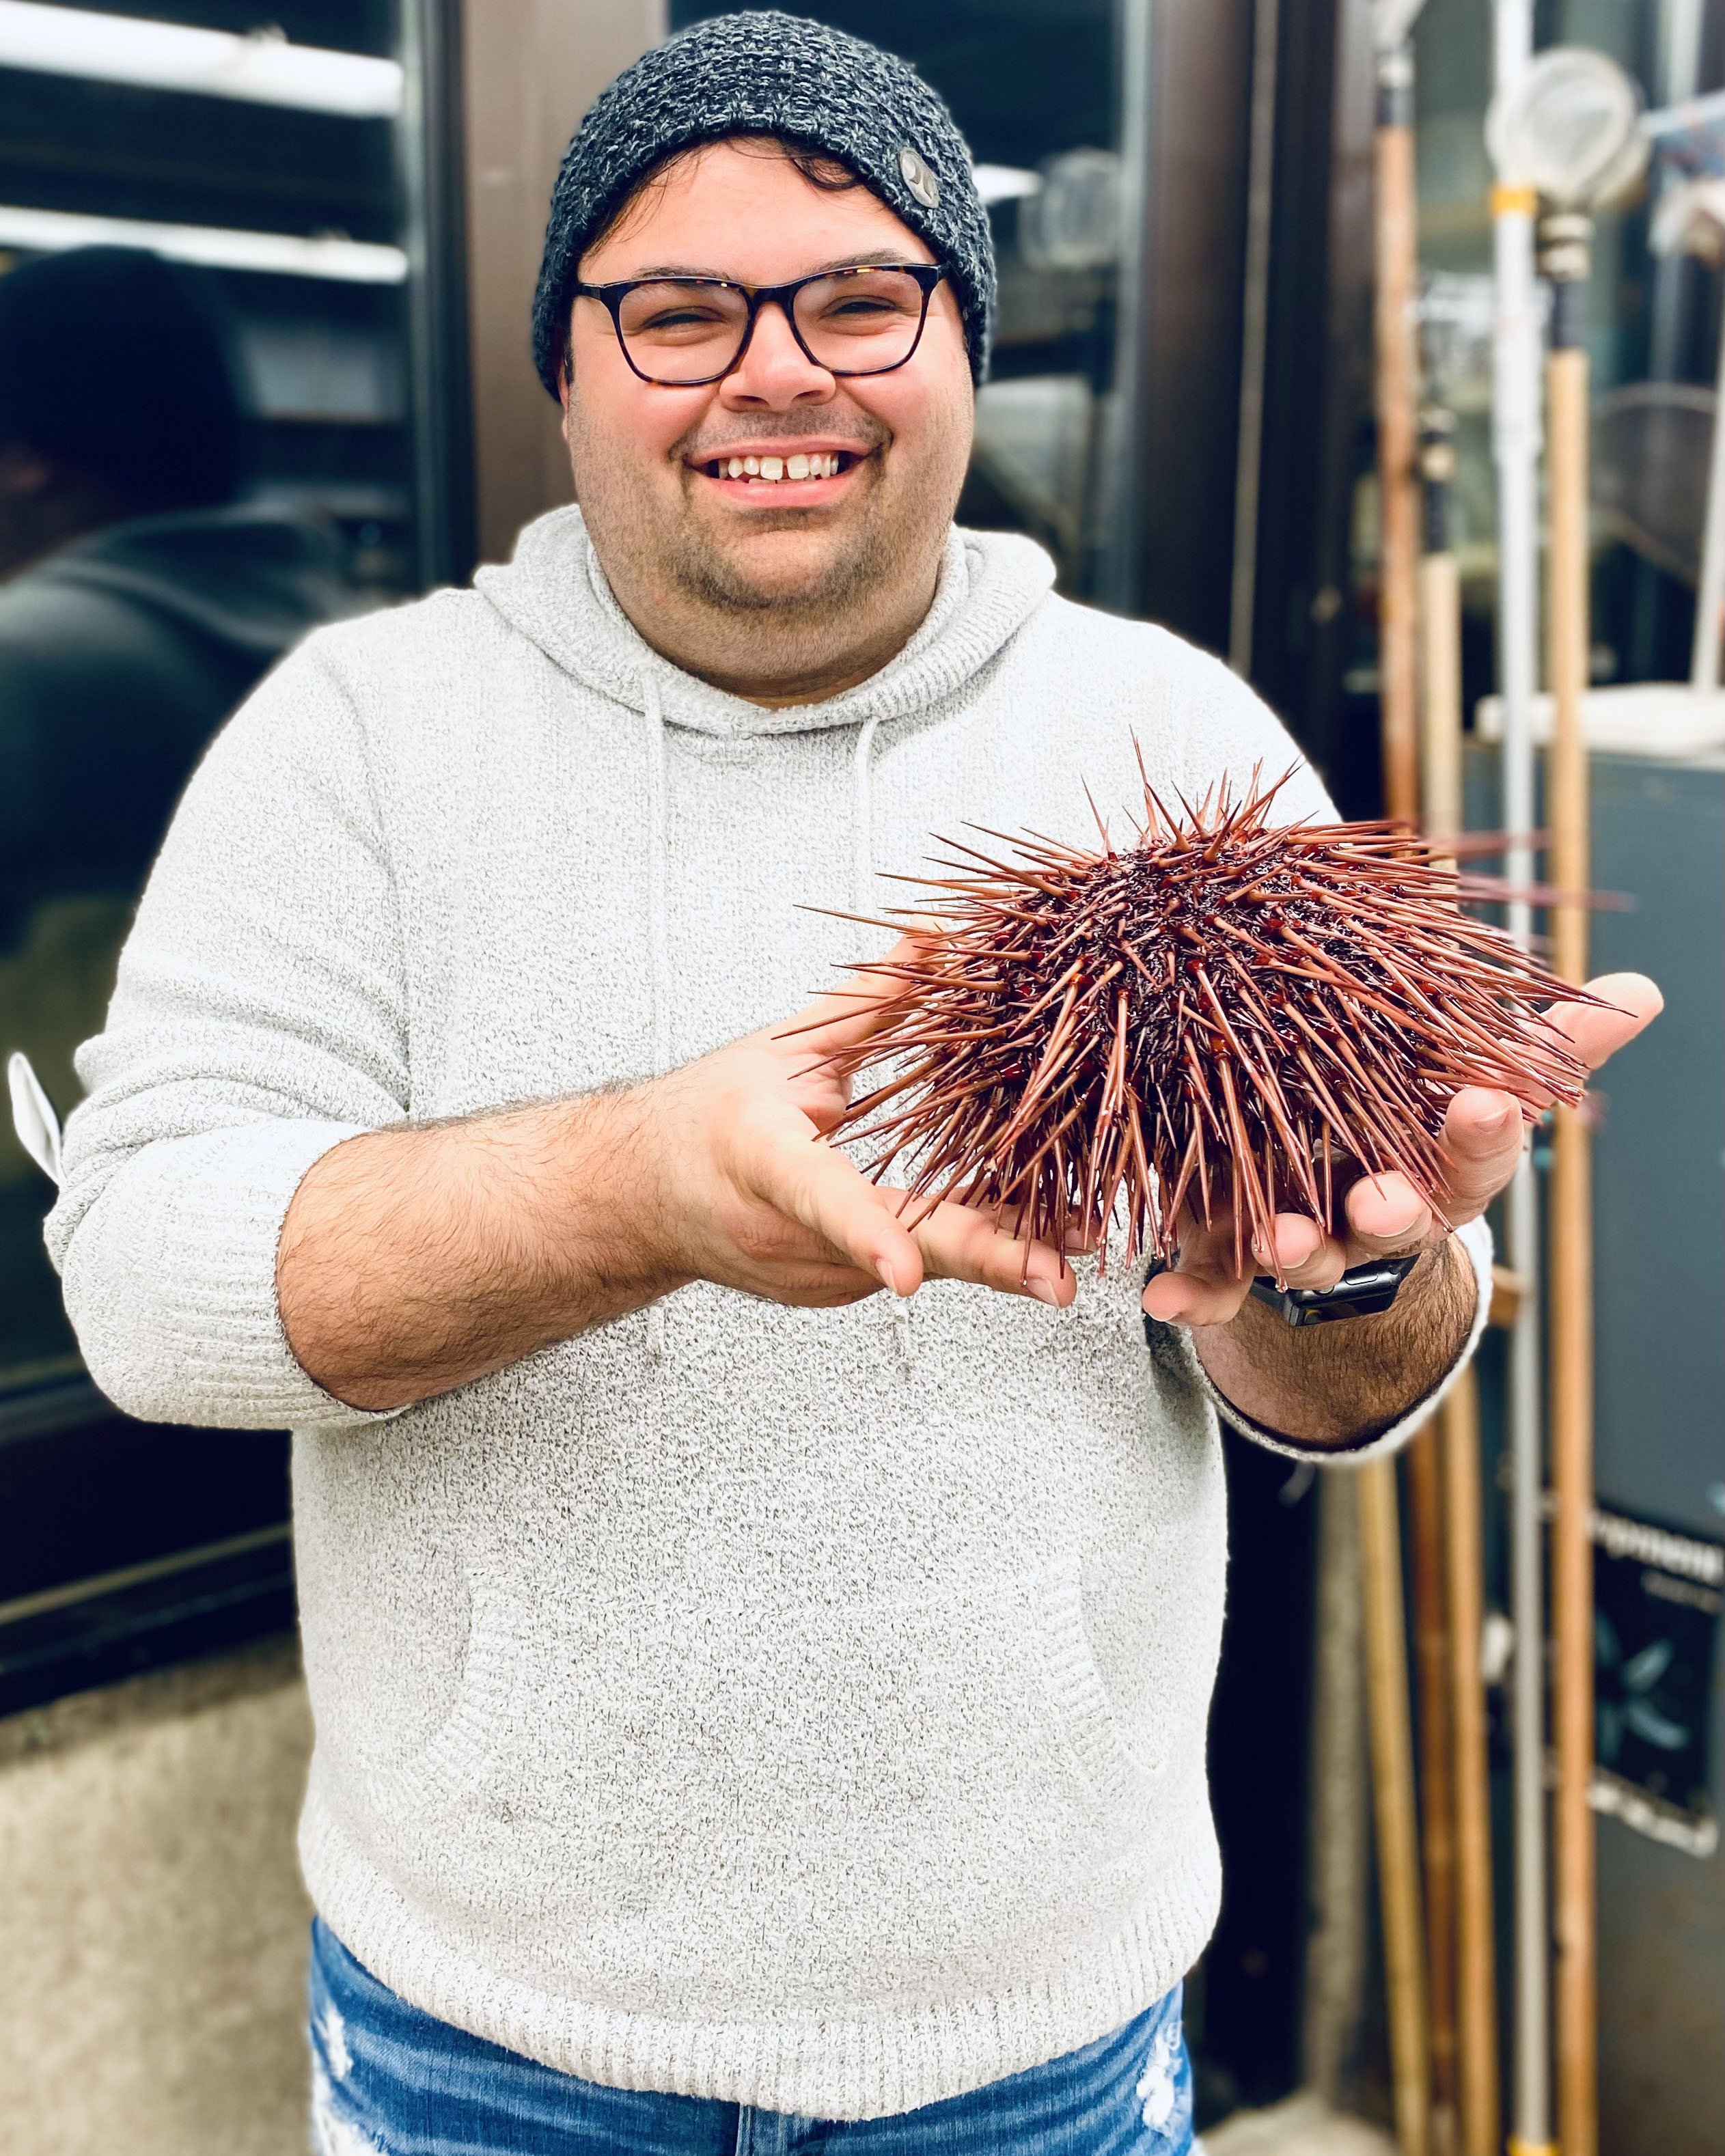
414, 1260
748, 1193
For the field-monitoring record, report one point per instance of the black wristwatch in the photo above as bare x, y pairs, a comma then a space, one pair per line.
1360, 1292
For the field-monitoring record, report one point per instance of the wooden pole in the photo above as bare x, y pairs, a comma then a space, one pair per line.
1397, 377
1439, 736
1338, 1882
1475, 1953
1570, 1220
1440, 682
1392, 1795
1395, 268
1437, 1782
1474, 1970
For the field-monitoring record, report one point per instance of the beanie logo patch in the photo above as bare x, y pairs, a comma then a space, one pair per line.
915, 174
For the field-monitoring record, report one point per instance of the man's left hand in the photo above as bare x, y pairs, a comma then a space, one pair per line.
1481, 1141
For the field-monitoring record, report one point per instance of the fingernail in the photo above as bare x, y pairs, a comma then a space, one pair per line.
1044, 1292
884, 1268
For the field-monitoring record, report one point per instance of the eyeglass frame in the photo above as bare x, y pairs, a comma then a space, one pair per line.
927, 276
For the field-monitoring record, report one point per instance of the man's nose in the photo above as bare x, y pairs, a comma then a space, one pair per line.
775, 372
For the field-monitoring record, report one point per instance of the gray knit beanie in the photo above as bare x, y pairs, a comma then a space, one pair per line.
771, 74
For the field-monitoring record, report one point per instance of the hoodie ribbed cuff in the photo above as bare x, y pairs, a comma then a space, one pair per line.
1475, 1239
174, 1293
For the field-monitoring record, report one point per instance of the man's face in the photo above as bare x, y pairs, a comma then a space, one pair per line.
674, 531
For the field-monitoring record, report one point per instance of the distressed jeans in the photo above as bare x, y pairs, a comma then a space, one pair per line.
389, 2081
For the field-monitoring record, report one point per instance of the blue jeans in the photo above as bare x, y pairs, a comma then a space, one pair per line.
389, 2081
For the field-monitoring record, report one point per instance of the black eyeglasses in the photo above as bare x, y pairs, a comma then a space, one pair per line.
681, 332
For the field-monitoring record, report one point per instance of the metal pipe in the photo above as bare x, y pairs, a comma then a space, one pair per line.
1516, 429
1710, 594
1690, 112
1394, 215
1255, 337
431, 169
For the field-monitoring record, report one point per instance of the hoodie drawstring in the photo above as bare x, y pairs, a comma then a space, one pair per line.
862, 900
658, 928
658, 932
862, 821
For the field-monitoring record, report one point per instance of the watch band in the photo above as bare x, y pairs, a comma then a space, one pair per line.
1361, 1292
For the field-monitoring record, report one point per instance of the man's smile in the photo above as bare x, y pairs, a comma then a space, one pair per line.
789, 475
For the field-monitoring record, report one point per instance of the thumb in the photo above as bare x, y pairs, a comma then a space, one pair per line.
848, 1017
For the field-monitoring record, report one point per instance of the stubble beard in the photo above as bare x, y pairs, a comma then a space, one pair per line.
702, 570
694, 590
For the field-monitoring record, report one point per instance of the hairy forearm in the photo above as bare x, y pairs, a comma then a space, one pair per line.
413, 1260
1341, 1384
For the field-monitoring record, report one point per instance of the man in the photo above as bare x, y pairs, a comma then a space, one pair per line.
760, 1649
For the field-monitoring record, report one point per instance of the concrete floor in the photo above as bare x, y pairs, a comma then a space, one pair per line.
1303, 2126
152, 1923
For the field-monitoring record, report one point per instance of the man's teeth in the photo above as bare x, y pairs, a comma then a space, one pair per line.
817, 464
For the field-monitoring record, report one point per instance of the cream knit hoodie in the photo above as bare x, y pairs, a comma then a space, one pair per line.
800, 1707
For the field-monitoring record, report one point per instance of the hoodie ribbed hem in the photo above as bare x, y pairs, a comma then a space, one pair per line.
189, 1228
842, 2066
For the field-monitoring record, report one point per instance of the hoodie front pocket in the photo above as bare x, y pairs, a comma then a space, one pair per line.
930, 1763
1109, 1768
468, 1747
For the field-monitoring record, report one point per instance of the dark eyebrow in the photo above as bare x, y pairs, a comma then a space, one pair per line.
874, 259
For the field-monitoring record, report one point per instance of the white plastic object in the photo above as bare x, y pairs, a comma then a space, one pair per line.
32, 1116
1392, 23
1569, 127
1690, 219
1665, 720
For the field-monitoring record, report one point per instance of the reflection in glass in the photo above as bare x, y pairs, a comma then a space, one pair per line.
139, 604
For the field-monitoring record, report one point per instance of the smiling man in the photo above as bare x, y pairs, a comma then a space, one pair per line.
760, 1647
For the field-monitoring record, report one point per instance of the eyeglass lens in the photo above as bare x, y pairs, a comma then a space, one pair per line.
861, 323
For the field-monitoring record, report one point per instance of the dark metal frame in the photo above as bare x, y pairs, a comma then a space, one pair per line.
119, 1556
433, 169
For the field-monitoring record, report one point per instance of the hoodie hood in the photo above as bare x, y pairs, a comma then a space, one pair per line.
555, 592
249, 579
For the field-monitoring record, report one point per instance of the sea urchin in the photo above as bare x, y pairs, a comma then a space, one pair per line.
1225, 1011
